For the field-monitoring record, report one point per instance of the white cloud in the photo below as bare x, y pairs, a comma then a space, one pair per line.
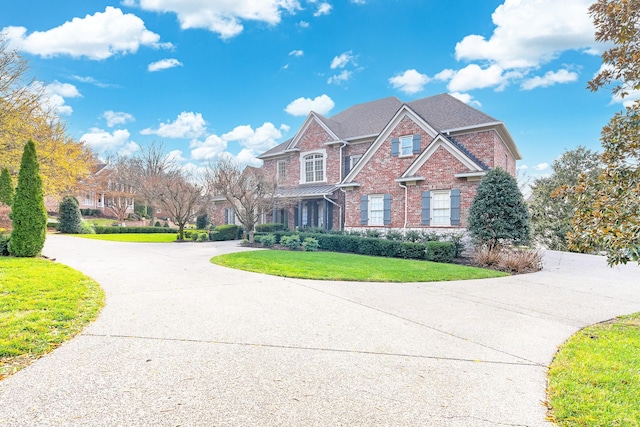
246, 156
410, 82
55, 94
303, 24
342, 60
531, 32
466, 98
632, 96
296, 53
209, 149
523, 167
474, 77
93, 36
175, 156
102, 141
164, 64
549, 79
344, 76
128, 149
222, 17
541, 166
260, 139
323, 9
117, 118
187, 125
302, 106
91, 80
359, 1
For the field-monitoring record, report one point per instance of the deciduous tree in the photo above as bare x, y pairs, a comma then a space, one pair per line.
28, 213
250, 191
608, 207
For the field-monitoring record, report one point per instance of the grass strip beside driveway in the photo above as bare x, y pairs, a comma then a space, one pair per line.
594, 379
351, 267
42, 304
132, 237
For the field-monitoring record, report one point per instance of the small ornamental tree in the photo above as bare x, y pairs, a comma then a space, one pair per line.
6, 188
28, 213
202, 221
498, 214
70, 219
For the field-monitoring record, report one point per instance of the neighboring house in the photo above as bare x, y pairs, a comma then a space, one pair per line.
388, 164
98, 192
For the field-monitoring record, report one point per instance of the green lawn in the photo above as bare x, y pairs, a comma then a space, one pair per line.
132, 237
340, 266
42, 304
594, 379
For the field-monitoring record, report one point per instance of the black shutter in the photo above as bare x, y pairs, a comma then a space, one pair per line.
455, 207
426, 208
395, 147
347, 165
386, 217
417, 139
364, 215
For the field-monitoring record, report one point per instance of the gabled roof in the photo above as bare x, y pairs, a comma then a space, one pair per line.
442, 112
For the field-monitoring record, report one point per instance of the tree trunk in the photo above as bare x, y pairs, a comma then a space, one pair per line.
181, 232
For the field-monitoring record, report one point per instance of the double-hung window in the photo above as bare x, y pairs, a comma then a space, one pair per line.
314, 168
440, 208
406, 145
281, 170
376, 209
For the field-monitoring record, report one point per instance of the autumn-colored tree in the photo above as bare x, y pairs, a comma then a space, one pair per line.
250, 191
26, 115
28, 213
608, 207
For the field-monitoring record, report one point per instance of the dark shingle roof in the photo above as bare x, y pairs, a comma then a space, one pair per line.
442, 112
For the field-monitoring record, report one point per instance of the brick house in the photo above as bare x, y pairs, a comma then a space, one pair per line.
93, 195
388, 164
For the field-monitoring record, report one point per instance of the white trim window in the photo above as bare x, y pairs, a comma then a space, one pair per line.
376, 209
88, 199
314, 167
406, 145
440, 208
281, 170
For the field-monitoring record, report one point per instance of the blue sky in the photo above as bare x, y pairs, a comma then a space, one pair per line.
205, 78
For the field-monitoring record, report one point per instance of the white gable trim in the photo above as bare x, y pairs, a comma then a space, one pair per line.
404, 111
310, 119
443, 142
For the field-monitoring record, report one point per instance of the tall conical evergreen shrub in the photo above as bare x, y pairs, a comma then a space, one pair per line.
6, 188
70, 218
28, 213
498, 214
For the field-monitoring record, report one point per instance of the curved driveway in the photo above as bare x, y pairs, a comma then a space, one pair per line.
182, 342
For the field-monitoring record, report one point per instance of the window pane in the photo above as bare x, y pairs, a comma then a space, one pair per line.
406, 145
441, 209
376, 210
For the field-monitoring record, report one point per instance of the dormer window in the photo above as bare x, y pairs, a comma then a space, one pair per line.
313, 167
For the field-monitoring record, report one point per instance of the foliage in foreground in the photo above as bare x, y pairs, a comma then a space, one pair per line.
28, 213
607, 207
42, 304
498, 214
340, 266
594, 379
6, 188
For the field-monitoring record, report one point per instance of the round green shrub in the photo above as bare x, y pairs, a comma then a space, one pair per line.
69, 219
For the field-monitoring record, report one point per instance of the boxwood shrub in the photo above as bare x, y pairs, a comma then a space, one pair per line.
269, 227
226, 232
440, 251
121, 230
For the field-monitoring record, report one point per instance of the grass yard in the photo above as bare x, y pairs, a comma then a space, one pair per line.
42, 304
132, 237
341, 266
594, 379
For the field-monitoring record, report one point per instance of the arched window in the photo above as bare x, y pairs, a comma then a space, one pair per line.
314, 167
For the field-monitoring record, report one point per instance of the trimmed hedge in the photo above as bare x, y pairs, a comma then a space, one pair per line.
4, 244
269, 227
124, 230
226, 232
373, 246
440, 251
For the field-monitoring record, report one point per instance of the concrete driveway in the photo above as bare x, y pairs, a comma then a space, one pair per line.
182, 342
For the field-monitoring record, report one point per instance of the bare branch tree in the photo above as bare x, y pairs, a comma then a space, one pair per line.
180, 198
250, 191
